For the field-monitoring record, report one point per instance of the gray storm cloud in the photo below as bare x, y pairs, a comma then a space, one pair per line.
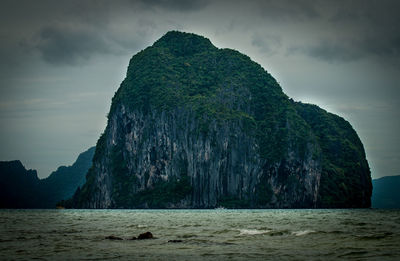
61, 62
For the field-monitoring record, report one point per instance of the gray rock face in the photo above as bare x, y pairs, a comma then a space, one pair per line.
222, 164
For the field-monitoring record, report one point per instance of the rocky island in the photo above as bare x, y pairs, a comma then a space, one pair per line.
195, 126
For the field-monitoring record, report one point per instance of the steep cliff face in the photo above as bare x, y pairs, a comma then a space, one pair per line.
194, 126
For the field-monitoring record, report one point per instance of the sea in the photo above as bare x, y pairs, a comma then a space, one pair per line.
216, 234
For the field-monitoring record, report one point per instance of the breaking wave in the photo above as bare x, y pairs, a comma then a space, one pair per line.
303, 232
253, 232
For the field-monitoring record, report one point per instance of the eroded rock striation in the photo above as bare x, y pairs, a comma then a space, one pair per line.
195, 126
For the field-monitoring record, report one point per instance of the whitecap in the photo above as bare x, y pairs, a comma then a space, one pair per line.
302, 232
253, 232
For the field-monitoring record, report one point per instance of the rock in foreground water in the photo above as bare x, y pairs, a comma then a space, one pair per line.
113, 238
147, 235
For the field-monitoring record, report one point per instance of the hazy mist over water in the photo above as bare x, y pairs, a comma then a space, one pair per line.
366, 234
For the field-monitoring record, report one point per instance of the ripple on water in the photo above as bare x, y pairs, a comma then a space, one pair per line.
375, 236
205, 234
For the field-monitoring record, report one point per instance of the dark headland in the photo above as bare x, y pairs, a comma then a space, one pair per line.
195, 126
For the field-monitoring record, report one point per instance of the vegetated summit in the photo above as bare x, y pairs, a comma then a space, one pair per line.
195, 126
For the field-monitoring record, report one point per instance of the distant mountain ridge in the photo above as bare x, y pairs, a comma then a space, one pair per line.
21, 188
386, 192
18, 186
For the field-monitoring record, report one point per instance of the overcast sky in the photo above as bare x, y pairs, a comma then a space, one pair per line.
61, 62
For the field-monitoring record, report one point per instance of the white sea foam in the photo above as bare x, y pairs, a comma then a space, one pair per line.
302, 232
253, 232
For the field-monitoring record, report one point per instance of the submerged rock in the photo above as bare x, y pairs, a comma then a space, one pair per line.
147, 235
113, 238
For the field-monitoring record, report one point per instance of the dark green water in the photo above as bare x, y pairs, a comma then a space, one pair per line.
206, 234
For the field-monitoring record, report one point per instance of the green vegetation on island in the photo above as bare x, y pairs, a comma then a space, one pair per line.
306, 157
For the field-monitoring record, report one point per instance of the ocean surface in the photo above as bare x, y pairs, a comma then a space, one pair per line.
201, 234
